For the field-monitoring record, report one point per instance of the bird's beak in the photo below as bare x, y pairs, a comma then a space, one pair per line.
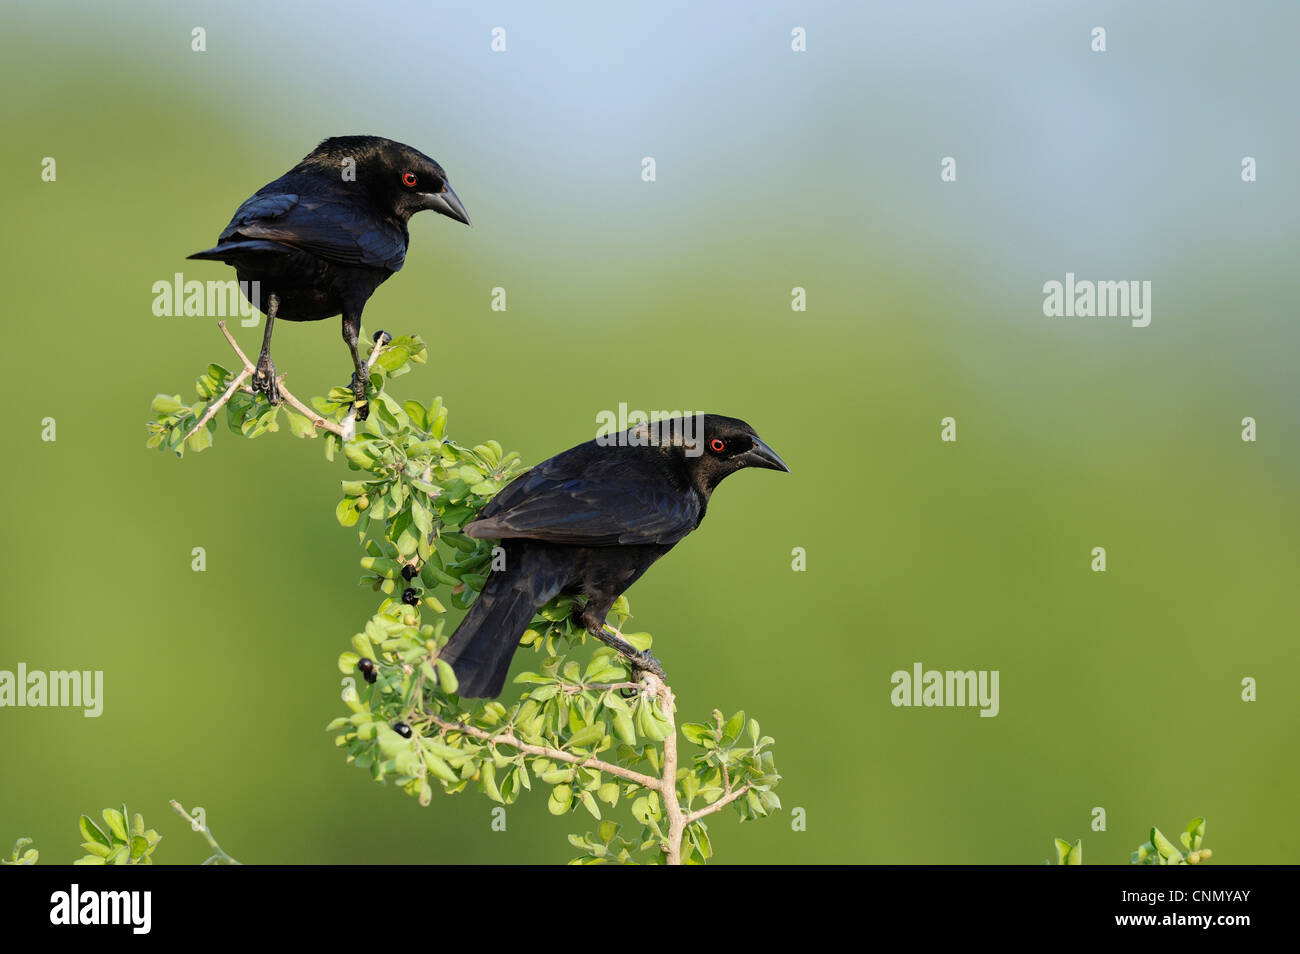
445, 203
760, 455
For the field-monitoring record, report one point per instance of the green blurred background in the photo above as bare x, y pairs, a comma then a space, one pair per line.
775, 169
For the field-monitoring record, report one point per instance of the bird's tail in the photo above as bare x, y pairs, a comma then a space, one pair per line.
230, 252
481, 648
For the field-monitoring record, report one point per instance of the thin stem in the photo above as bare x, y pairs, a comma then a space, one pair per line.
720, 803
236, 384
668, 780
508, 737
349, 428
218, 404
305, 411
220, 856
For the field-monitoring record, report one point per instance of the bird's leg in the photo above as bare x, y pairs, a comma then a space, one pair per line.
264, 374
592, 620
360, 378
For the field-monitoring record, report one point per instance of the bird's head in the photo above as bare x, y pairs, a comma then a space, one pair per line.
726, 445
399, 178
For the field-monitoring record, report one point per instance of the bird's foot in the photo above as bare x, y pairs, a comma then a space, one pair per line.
644, 662
263, 381
359, 401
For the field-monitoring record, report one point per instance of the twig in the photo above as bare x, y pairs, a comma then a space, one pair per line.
349, 428
509, 738
305, 411
715, 806
575, 687
235, 385
668, 778
218, 404
220, 856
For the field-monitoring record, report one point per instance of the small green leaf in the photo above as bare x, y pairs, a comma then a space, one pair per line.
116, 824
561, 800
91, 832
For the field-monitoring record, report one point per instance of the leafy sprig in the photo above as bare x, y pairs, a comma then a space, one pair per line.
582, 729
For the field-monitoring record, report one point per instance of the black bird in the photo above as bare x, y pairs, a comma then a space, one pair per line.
589, 522
321, 238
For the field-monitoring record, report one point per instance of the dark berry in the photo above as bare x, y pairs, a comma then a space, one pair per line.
402, 729
366, 664
410, 572
409, 596
371, 676
382, 337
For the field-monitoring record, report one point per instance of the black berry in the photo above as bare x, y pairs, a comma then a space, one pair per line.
366, 664
409, 596
410, 572
402, 729
371, 676
382, 337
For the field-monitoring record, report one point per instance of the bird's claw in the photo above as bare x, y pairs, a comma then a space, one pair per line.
264, 382
360, 403
644, 662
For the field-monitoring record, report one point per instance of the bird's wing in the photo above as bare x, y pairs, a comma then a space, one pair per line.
332, 228
602, 505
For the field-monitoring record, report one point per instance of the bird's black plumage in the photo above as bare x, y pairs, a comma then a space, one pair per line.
589, 522
321, 238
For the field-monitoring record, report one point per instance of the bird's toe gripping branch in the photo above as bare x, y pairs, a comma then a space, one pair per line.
360, 398
254, 379
640, 661
360, 381
264, 381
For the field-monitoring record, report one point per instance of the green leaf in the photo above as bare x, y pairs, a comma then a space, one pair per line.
346, 512
589, 803
561, 800
167, 404
439, 767
201, 439
116, 824
299, 426
91, 832
139, 846
1195, 833
731, 731
488, 775
584, 738
421, 518
1164, 847
447, 676
695, 732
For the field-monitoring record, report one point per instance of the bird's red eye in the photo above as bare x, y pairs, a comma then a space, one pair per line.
408, 178
718, 445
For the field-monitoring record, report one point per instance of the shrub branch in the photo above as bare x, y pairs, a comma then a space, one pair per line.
412, 491
238, 385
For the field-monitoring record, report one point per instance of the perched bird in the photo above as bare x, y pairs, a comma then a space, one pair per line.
589, 522
321, 238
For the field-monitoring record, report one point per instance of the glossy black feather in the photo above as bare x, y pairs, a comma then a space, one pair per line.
589, 522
